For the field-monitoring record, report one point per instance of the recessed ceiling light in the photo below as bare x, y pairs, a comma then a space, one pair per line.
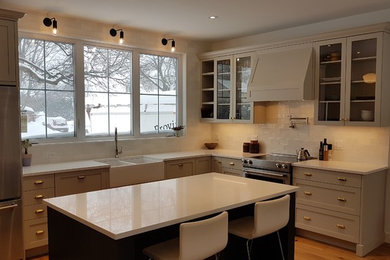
213, 17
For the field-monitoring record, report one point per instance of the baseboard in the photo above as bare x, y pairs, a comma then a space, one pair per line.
387, 237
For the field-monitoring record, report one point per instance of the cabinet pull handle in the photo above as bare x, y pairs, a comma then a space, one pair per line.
39, 232
341, 199
342, 178
308, 193
38, 182
307, 218
39, 211
340, 226
40, 196
231, 163
81, 177
308, 174
180, 165
219, 162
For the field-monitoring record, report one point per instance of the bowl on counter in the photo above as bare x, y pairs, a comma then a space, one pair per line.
210, 145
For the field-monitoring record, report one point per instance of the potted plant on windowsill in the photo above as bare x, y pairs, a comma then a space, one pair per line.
26, 157
177, 130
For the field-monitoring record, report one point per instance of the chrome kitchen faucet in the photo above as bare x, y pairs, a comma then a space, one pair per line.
117, 151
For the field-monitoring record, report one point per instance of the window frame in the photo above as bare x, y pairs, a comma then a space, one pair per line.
79, 88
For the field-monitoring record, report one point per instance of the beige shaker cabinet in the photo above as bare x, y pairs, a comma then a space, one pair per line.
227, 166
8, 51
179, 168
341, 206
35, 189
350, 86
38, 187
203, 165
81, 181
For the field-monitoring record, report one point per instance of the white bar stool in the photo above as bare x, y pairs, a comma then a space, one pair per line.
269, 216
197, 240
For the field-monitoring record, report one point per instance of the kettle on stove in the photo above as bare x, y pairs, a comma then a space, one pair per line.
303, 154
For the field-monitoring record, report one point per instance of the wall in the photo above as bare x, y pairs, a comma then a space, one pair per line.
76, 28
360, 144
305, 30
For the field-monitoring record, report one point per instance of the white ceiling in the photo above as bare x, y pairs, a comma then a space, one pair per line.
189, 18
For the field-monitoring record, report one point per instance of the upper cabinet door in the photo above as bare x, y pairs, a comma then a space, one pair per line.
330, 81
363, 89
224, 86
242, 106
8, 52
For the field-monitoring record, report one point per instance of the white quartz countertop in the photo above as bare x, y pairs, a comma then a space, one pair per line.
341, 166
62, 167
199, 153
130, 210
40, 169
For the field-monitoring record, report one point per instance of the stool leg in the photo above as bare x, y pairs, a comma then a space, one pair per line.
280, 245
248, 248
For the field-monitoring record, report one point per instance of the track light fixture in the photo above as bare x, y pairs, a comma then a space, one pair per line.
113, 33
51, 21
165, 41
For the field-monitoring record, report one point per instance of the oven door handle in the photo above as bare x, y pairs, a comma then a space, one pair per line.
264, 173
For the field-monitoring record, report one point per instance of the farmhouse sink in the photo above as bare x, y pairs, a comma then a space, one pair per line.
134, 170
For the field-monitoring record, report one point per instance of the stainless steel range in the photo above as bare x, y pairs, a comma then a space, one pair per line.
273, 167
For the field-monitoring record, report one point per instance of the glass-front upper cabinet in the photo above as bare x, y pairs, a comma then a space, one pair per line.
362, 87
223, 88
242, 75
331, 81
348, 92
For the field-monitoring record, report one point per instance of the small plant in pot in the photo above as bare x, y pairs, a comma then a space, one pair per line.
26, 157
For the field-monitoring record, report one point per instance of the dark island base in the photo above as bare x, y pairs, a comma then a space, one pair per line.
69, 239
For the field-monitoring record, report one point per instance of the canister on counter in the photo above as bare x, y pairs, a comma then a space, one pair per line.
254, 146
245, 147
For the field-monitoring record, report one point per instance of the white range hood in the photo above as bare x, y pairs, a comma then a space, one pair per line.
281, 75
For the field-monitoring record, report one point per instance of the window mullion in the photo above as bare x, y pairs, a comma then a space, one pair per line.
79, 90
136, 94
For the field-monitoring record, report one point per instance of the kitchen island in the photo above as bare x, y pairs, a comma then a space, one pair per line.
118, 223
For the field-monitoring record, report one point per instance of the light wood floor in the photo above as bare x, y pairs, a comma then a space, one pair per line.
306, 249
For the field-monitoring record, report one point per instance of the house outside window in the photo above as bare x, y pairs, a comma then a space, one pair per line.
158, 93
108, 87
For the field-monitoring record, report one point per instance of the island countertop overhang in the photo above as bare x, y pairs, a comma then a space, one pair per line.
130, 210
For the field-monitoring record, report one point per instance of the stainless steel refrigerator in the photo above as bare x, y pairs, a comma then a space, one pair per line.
11, 239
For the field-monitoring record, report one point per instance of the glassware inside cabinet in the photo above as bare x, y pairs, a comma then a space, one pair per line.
243, 72
363, 80
223, 89
330, 82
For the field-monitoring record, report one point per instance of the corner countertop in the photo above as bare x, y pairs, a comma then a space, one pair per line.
200, 153
40, 169
118, 213
341, 166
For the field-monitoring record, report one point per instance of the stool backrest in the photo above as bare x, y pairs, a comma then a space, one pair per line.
204, 238
271, 215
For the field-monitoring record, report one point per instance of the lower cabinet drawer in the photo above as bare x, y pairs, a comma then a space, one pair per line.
329, 196
36, 196
78, 182
35, 233
34, 211
341, 226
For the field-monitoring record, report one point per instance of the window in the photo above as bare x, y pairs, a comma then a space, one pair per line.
47, 88
107, 82
158, 93
67, 81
